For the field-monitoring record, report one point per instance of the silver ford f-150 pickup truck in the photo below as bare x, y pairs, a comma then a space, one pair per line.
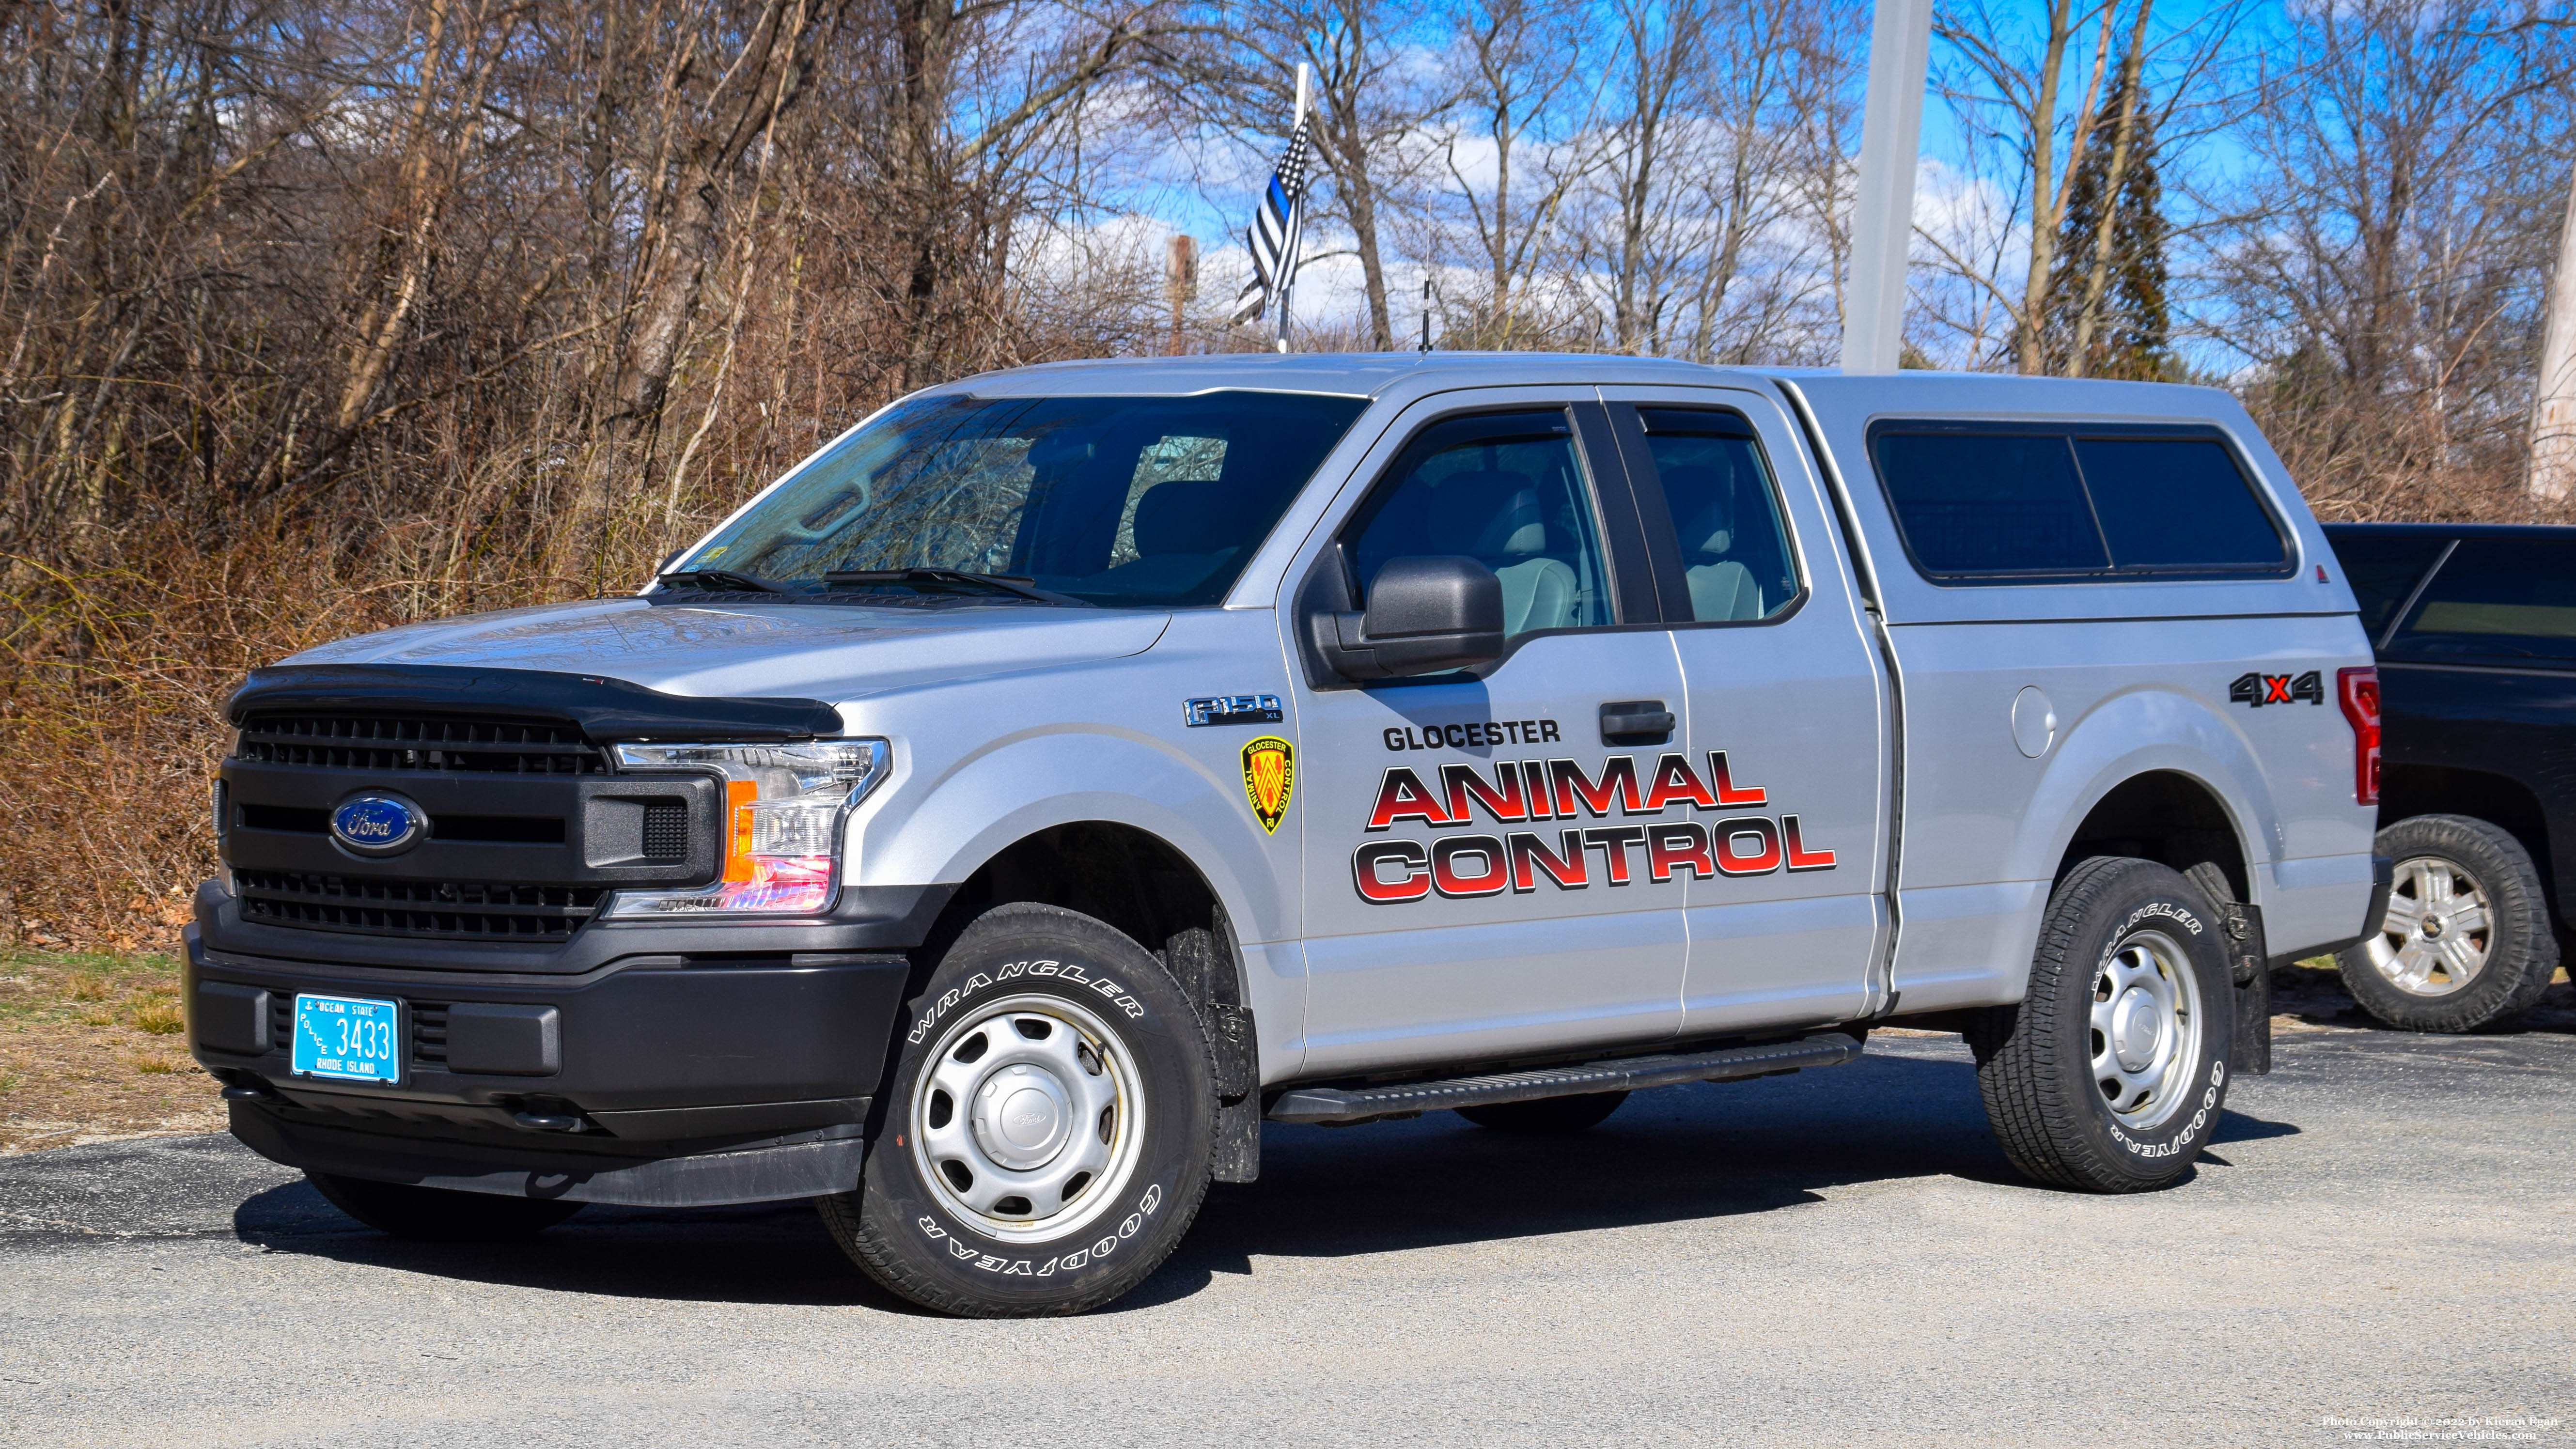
988, 826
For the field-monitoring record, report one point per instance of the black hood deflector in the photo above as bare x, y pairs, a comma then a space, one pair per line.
608, 710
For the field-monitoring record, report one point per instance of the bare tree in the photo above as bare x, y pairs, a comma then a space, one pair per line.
715, 106
1373, 100
440, 132
1705, 219
2033, 99
1659, 43
1515, 151
2384, 268
2021, 97
314, 317
1776, 93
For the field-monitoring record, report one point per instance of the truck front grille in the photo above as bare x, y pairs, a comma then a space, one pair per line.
429, 1033
464, 910
666, 830
397, 742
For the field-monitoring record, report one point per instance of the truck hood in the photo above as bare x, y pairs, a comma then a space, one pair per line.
826, 652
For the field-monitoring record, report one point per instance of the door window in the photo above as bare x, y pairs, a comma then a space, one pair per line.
1726, 514
1507, 490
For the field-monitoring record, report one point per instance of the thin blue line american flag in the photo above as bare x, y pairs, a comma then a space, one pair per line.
1275, 232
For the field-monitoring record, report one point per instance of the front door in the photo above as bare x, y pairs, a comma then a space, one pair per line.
1787, 712
1478, 874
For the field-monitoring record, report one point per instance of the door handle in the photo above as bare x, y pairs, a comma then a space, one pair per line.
1636, 722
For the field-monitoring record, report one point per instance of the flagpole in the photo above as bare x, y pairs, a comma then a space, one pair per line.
1891, 137
1297, 215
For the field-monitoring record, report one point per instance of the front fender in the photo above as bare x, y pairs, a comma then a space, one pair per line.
944, 828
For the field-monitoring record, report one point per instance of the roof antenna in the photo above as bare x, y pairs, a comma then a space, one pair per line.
1426, 312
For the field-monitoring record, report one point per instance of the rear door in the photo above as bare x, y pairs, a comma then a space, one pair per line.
1477, 880
1783, 845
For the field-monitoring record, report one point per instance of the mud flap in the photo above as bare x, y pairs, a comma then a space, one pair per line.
2249, 966
1237, 1153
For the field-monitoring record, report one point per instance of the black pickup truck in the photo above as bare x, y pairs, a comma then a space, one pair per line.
2475, 627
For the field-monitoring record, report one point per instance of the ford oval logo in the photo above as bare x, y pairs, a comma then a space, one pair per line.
378, 824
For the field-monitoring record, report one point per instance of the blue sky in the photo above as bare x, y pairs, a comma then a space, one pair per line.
1209, 189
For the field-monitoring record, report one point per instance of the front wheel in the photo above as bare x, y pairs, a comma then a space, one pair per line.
2466, 944
2113, 1069
1049, 1133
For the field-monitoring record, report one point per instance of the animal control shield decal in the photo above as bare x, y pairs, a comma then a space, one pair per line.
1269, 774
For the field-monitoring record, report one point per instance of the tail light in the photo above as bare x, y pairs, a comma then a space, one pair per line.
2358, 691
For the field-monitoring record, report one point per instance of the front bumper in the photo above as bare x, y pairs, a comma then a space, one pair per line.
655, 1076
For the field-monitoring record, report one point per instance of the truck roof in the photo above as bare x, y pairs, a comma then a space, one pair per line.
1372, 374
1349, 374
2553, 531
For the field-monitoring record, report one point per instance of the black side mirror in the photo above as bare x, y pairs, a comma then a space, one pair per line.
1425, 616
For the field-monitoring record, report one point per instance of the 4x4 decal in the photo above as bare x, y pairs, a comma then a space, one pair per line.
2258, 689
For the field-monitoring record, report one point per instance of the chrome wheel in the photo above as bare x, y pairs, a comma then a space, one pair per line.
1026, 1118
2439, 927
2146, 1029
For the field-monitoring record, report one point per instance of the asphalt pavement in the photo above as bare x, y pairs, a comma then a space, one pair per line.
2378, 1243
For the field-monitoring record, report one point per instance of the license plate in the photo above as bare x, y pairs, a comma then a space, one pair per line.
348, 1038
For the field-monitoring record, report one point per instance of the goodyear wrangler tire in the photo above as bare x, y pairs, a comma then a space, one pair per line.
2111, 1073
1047, 1136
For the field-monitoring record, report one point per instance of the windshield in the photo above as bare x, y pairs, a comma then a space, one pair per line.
1102, 500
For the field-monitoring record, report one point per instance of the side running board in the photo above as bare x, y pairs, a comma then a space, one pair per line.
1623, 1074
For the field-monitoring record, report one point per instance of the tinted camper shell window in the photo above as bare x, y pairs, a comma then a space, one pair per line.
1988, 503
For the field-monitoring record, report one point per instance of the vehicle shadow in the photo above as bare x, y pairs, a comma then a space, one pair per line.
2317, 998
1709, 1151
1679, 1154
759, 1253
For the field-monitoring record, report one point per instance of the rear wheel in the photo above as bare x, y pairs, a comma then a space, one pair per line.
438, 1214
2467, 942
2110, 1073
1049, 1132
1548, 1116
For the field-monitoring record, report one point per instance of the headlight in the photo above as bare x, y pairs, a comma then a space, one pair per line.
783, 809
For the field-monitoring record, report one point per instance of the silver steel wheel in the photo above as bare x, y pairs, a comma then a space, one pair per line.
2146, 1029
1026, 1118
2440, 924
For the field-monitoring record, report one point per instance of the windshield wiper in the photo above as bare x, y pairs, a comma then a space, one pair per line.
725, 580
1015, 584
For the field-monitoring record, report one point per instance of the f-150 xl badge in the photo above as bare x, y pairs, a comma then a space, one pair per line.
1232, 709
1391, 872
2259, 689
